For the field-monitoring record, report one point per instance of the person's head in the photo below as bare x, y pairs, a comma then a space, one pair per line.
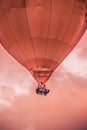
41, 82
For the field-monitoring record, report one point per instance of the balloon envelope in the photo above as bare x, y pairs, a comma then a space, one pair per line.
40, 33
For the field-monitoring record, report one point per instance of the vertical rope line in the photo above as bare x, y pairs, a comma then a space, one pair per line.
30, 33
48, 33
61, 42
13, 33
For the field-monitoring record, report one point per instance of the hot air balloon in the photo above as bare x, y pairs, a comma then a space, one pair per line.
39, 34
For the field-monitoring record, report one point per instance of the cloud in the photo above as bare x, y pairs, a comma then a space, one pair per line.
76, 62
65, 108
82, 54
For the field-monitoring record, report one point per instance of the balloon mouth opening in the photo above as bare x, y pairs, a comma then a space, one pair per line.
41, 72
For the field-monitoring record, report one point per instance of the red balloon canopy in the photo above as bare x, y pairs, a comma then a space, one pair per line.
39, 34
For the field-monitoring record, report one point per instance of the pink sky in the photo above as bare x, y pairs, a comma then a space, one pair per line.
65, 108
